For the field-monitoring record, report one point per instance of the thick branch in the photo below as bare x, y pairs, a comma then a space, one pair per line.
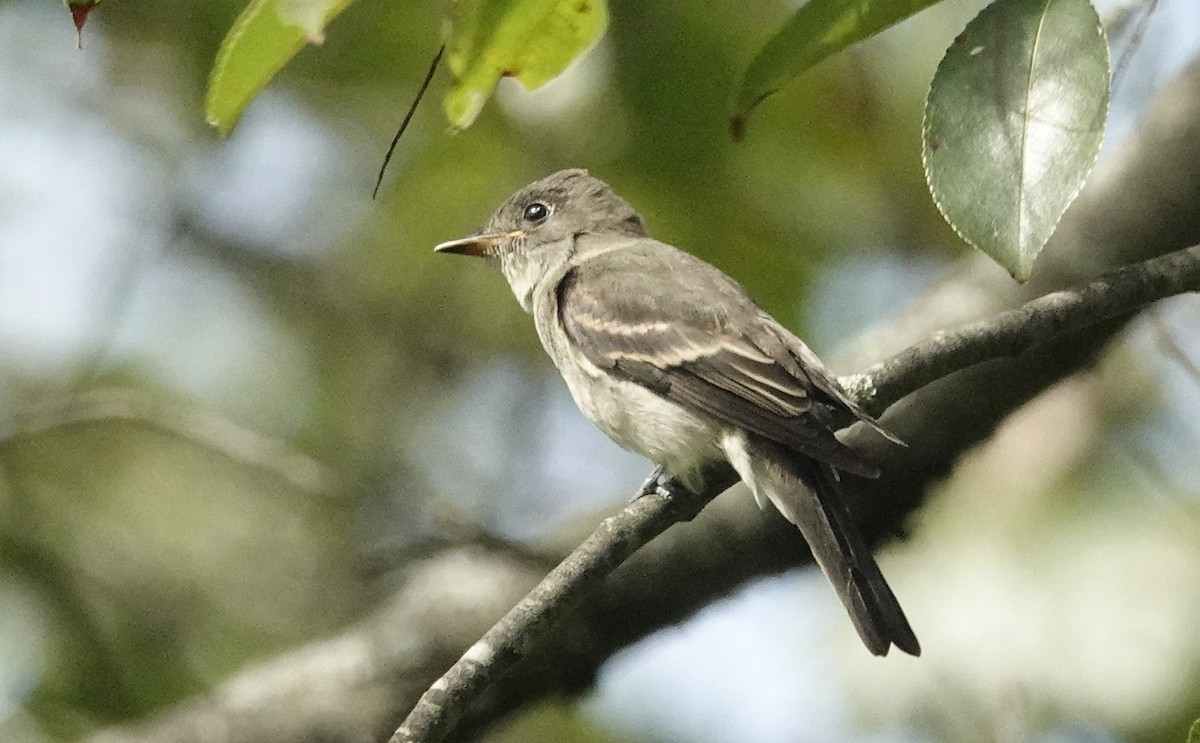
530, 622
536, 615
1139, 203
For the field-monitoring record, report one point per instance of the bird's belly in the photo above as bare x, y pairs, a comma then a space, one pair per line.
641, 421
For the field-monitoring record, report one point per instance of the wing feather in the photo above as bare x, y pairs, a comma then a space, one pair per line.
696, 354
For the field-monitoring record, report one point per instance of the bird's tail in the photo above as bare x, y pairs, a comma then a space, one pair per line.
807, 494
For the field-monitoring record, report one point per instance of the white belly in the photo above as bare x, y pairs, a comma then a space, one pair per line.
680, 441
641, 421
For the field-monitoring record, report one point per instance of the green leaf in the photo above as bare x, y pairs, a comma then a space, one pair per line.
531, 40
263, 39
1014, 120
1194, 733
817, 30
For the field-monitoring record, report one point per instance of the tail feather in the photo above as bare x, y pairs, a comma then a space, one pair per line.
806, 493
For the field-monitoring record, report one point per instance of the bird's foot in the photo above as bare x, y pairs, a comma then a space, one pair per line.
656, 483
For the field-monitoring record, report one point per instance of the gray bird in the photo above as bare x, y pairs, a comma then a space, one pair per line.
674, 360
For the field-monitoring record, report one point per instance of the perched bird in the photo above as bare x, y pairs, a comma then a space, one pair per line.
674, 360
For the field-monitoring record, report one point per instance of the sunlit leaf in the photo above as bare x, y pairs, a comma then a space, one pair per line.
531, 40
264, 38
1013, 123
817, 30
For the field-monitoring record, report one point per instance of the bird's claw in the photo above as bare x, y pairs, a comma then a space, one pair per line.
655, 484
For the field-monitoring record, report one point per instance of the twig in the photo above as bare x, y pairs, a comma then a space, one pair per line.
192, 423
1010, 333
412, 109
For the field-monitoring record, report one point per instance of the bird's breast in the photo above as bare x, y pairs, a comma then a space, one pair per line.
636, 418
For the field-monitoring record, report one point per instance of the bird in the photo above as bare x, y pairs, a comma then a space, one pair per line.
673, 359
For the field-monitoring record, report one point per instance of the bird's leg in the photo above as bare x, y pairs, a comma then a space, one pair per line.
655, 483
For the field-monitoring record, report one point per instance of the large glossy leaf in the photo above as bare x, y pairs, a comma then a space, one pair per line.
817, 30
1014, 120
264, 38
531, 40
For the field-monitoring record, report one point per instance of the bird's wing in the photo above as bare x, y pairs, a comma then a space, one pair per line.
681, 328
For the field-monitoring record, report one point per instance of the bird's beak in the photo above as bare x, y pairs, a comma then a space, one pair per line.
476, 245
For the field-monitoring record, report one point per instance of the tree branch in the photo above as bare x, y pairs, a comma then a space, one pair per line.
1011, 333
192, 423
1121, 292
1138, 203
536, 615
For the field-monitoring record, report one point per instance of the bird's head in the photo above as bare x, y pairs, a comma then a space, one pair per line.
537, 228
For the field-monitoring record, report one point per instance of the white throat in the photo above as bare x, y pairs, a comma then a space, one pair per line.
523, 276
526, 272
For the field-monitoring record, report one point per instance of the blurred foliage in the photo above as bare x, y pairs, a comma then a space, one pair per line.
818, 29
1069, 599
1019, 99
549, 721
281, 322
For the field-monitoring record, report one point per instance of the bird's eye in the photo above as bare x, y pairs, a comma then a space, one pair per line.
536, 212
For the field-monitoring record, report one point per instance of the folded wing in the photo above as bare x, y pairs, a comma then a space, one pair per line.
719, 353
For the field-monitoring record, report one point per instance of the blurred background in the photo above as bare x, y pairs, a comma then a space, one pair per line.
234, 390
